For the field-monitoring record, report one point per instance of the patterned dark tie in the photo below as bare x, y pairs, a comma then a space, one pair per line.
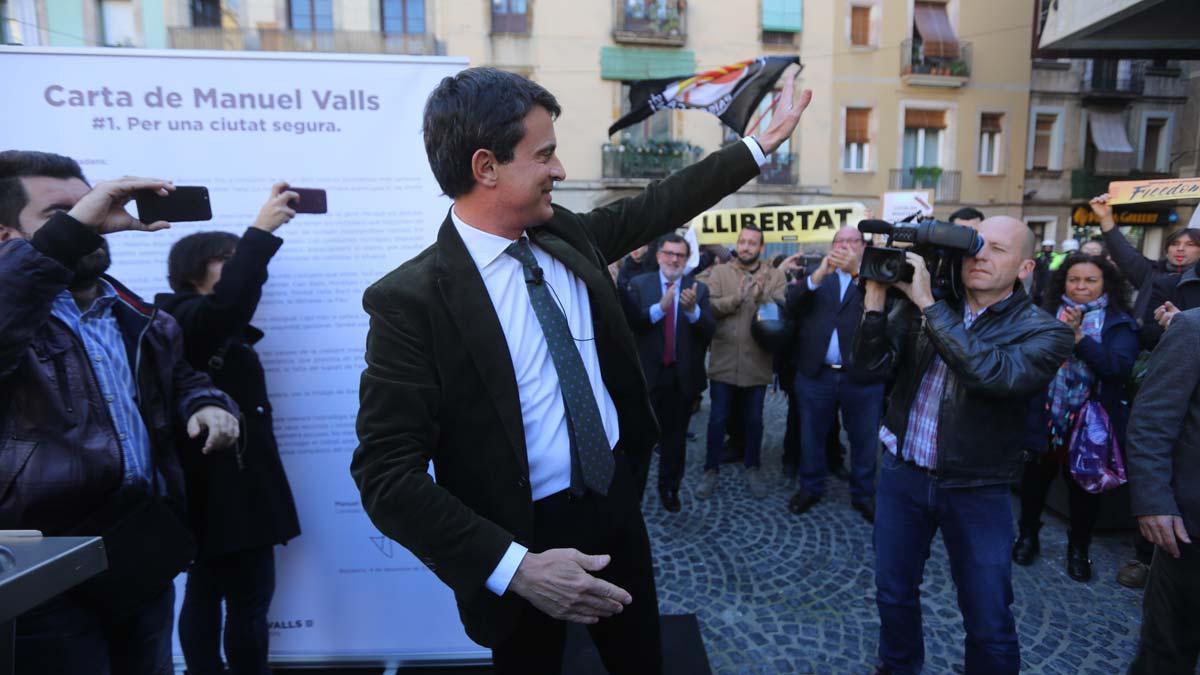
593, 453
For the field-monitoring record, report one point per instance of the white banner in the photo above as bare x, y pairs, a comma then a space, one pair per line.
235, 122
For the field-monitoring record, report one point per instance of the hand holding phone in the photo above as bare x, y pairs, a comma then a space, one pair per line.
308, 200
276, 211
103, 207
184, 204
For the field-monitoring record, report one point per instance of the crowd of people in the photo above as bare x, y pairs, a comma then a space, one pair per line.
150, 424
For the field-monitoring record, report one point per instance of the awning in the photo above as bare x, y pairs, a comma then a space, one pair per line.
937, 35
1114, 154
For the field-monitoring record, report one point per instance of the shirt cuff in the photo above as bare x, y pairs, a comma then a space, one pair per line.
809, 282
694, 315
502, 576
656, 313
756, 150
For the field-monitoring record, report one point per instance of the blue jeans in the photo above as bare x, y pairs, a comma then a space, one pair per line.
64, 636
862, 406
977, 529
245, 581
721, 399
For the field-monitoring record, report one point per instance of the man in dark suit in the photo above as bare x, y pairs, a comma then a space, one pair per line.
501, 354
828, 307
673, 321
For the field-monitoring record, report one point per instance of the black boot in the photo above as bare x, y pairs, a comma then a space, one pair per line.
1025, 549
1079, 567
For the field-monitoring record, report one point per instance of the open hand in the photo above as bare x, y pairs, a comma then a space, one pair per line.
687, 298
557, 583
1164, 532
787, 113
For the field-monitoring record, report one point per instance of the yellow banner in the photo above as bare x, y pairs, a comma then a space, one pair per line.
1141, 191
808, 224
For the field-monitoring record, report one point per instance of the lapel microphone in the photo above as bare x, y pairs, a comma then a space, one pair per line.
534, 275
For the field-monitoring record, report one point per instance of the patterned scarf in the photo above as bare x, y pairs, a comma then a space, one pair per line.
1074, 379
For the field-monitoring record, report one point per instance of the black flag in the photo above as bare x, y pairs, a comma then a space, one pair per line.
731, 93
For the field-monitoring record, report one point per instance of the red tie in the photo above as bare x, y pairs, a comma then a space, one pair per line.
669, 327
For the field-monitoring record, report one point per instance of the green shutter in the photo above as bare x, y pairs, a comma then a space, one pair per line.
64, 21
625, 64
785, 16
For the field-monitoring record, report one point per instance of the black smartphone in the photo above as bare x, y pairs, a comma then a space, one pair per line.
187, 204
312, 200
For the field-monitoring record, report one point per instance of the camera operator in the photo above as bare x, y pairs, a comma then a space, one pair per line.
965, 372
240, 503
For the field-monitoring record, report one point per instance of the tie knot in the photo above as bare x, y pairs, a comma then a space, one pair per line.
670, 284
521, 250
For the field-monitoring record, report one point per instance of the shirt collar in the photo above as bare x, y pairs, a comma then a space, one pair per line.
483, 247
105, 300
970, 315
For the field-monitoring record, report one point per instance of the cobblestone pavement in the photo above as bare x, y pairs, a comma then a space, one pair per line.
778, 593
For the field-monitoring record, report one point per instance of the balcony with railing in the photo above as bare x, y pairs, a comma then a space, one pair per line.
1105, 80
946, 184
928, 71
655, 22
778, 170
278, 40
648, 160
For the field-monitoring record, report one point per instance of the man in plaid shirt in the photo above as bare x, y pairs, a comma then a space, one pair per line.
964, 372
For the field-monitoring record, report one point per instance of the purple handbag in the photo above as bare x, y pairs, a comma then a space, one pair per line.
1093, 454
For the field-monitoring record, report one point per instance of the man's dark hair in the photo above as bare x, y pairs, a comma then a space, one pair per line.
671, 238
187, 263
18, 164
1189, 232
762, 238
1114, 283
966, 213
477, 109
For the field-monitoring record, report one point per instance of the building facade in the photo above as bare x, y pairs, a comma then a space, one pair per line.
1093, 121
909, 93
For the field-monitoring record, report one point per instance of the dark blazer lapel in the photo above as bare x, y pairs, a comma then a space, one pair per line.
471, 308
851, 293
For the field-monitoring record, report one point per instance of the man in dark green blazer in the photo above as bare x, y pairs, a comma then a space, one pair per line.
501, 354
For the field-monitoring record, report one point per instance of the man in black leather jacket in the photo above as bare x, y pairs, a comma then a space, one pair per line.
952, 437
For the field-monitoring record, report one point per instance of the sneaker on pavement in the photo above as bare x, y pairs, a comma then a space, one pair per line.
758, 484
1133, 574
708, 484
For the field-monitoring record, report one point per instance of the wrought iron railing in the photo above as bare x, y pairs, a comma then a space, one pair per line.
647, 160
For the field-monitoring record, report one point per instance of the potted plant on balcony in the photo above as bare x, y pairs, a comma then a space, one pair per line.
959, 69
926, 176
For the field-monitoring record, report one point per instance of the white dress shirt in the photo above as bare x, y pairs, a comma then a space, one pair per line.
833, 353
543, 413
656, 310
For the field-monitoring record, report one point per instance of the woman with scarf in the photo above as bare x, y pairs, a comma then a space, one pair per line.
1088, 294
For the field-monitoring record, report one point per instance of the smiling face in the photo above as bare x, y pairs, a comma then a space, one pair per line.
523, 185
672, 256
1005, 257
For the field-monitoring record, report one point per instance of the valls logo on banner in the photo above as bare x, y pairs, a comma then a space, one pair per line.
290, 624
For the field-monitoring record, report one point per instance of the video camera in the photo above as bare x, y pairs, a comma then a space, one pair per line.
942, 245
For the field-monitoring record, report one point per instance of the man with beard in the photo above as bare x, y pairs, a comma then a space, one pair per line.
737, 364
93, 387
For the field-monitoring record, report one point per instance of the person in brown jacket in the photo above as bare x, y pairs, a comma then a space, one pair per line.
737, 364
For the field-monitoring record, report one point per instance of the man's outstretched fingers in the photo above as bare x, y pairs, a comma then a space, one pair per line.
604, 589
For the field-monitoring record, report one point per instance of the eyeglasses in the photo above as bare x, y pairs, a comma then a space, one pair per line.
673, 254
